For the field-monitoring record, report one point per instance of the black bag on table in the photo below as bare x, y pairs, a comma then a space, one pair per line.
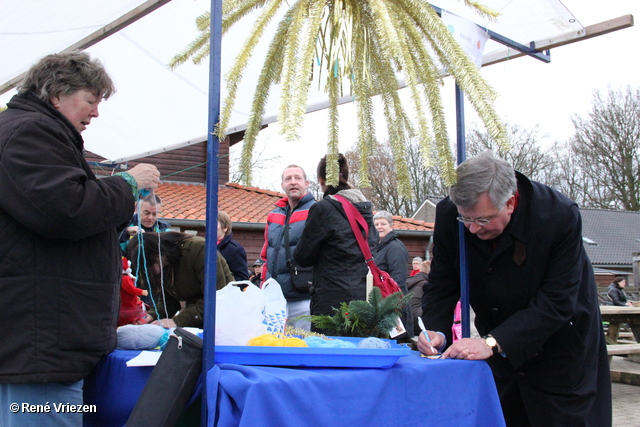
171, 383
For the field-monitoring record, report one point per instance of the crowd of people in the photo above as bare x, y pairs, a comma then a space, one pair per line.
65, 233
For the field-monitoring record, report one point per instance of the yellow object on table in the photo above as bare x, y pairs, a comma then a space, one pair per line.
277, 340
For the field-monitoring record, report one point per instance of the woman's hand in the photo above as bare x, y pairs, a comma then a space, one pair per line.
165, 323
147, 319
147, 176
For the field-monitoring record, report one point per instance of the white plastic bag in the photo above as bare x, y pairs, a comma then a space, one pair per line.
239, 313
244, 311
275, 308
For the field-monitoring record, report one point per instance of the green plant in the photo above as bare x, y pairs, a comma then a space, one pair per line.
372, 318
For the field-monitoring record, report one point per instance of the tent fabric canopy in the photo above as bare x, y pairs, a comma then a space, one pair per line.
156, 109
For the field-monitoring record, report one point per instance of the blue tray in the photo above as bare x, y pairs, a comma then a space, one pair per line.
313, 357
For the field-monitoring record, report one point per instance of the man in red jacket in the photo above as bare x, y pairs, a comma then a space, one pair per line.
285, 224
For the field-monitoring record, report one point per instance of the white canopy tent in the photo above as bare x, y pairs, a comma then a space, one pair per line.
156, 109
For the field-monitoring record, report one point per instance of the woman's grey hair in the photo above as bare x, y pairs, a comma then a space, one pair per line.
65, 74
484, 173
418, 259
384, 215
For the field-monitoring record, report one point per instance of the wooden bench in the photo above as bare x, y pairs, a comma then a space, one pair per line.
622, 350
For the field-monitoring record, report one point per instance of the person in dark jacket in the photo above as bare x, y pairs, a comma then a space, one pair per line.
290, 215
329, 245
415, 285
416, 266
391, 256
533, 293
145, 220
616, 292
256, 277
60, 263
232, 251
173, 264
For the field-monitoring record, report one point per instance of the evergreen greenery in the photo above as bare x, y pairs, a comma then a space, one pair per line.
372, 318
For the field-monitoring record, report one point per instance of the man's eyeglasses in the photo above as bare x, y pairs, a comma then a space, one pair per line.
479, 221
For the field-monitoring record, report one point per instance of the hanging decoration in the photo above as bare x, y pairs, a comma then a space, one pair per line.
361, 48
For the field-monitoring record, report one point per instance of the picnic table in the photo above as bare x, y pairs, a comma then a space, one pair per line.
616, 316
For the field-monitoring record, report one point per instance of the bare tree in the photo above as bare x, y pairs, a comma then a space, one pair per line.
606, 146
384, 188
526, 154
314, 186
261, 165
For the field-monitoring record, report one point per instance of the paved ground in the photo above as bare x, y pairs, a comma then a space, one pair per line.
625, 388
626, 394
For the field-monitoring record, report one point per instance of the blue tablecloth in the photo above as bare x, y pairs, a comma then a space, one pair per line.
114, 388
416, 391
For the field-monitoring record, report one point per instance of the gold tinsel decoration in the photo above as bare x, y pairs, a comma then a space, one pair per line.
361, 44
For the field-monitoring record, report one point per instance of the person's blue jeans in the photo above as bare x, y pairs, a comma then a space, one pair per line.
41, 404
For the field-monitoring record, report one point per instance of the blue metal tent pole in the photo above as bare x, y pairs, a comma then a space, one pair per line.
464, 268
211, 247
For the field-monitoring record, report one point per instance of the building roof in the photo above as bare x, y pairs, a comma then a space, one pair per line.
241, 203
427, 210
610, 237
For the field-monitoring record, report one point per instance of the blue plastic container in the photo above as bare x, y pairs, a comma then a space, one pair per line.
313, 357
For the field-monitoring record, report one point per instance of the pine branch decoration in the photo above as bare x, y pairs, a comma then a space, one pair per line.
372, 318
357, 47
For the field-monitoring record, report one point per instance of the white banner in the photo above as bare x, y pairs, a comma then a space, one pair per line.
470, 37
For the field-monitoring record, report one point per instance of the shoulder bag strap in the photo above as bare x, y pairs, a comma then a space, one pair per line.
355, 218
287, 248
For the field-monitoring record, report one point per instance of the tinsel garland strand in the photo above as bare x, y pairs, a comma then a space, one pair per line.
361, 44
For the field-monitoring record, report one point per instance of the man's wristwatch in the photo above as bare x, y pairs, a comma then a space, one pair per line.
492, 343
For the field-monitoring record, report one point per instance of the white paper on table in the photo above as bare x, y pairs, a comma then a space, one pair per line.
145, 358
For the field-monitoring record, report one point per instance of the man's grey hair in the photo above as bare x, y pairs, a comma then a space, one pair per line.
384, 215
65, 74
480, 174
152, 199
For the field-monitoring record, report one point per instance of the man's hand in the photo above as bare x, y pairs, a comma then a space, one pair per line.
469, 349
132, 231
430, 349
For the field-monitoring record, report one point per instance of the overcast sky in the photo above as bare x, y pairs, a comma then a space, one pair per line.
531, 92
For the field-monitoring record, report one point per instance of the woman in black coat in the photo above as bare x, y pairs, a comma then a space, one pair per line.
329, 245
232, 251
391, 256
415, 285
60, 264
616, 292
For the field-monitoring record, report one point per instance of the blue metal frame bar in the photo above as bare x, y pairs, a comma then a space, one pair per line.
211, 247
464, 267
527, 50
208, 356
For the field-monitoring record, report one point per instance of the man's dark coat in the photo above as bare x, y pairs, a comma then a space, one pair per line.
534, 290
